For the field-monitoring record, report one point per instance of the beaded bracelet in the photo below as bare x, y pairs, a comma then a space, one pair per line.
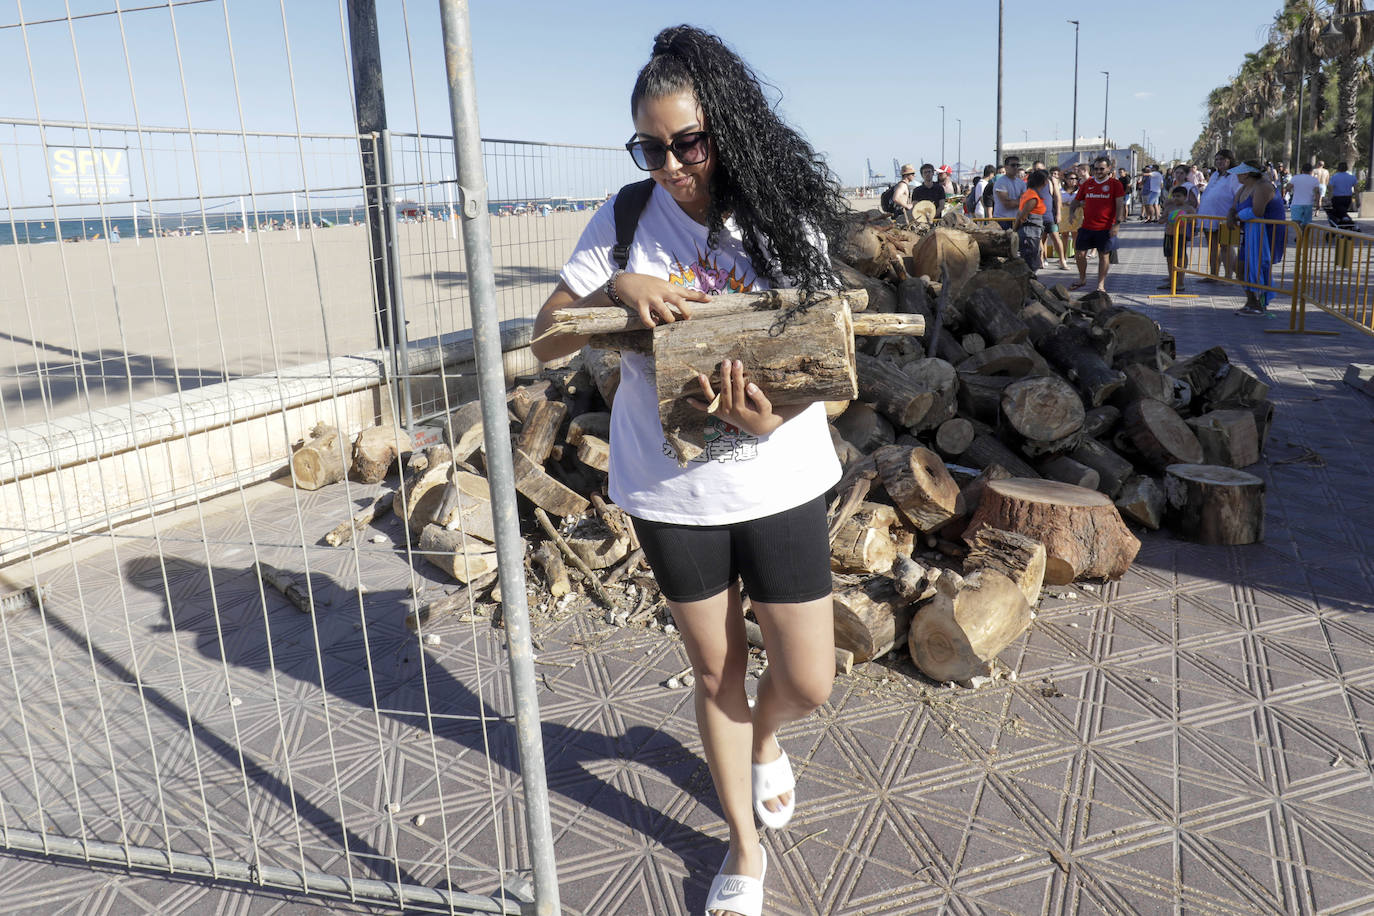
610, 289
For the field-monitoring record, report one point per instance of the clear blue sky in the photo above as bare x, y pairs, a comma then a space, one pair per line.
862, 81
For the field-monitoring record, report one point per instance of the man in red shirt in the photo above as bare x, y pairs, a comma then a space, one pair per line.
1103, 202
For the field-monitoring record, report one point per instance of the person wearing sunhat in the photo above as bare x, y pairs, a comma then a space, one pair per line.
1261, 243
901, 196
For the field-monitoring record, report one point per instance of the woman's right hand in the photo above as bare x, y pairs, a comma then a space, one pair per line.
656, 301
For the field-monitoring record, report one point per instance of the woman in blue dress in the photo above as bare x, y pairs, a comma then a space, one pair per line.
1262, 244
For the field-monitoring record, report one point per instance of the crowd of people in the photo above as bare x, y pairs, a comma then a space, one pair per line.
1077, 212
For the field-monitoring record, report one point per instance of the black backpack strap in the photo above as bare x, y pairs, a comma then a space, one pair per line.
629, 205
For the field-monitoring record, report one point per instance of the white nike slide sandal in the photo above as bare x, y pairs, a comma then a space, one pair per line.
737, 893
770, 781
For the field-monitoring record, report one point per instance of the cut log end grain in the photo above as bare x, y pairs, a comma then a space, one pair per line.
956, 634
863, 543
1215, 505
1081, 529
1160, 435
1018, 557
375, 450
870, 618
320, 459
954, 437
1043, 409
919, 485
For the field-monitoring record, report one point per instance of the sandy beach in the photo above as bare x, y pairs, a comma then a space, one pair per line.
102, 318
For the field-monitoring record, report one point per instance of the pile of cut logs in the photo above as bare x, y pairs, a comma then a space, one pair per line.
996, 437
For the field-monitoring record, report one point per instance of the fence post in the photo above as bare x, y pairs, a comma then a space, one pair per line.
486, 331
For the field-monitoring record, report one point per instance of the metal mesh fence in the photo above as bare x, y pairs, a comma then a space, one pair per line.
197, 681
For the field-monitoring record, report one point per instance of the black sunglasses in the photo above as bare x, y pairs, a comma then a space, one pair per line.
688, 149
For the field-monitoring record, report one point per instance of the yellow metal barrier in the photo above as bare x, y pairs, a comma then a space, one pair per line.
1194, 237
1335, 278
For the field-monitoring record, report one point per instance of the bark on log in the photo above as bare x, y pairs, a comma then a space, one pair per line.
1081, 529
1040, 321
597, 544
465, 559
870, 618
956, 634
864, 428
891, 391
593, 423
344, 531
863, 543
1100, 420
1160, 435
954, 437
873, 324
951, 250
464, 504
1066, 470
912, 580
1228, 437
550, 561
986, 450
540, 430
1016, 556
994, 242
594, 453
1142, 500
919, 485
994, 319
1214, 505
938, 377
1073, 350
879, 296
420, 494
980, 396
463, 430
320, 459
524, 399
443, 608
914, 297
1015, 360
532, 482
1112, 470
795, 357
1201, 371
1143, 382
948, 348
1135, 332
1236, 388
375, 450
604, 368
1042, 409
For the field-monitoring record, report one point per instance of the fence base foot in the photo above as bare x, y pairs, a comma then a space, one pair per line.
1302, 331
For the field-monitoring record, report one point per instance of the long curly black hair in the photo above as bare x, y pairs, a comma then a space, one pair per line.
777, 188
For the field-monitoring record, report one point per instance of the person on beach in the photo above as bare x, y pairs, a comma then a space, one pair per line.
1261, 244
739, 201
1102, 201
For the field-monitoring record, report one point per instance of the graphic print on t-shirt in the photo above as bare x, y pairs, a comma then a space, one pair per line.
724, 441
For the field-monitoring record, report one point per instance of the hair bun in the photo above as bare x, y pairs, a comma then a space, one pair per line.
663, 41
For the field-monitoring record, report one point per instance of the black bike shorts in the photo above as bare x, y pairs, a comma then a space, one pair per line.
782, 558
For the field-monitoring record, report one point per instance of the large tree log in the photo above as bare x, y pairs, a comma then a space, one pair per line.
1040, 321
992, 318
532, 482
1081, 529
1112, 470
465, 559
994, 242
1160, 435
919, 485
422, 488
986, 450
376, 449
863, 543
524, 399
1066, 470
949, 250
1016, 556
1236, 388
1144, 382
540, 430
890, 390
1098, 421
1043, 409
938, 377
1228, 437
980, 396
956, 634
870, 618
864, 428
320, 459
1214, 505
880, 297
1136, 334
1201, 371
1017, 360
464, 504
795, 357
1074, 350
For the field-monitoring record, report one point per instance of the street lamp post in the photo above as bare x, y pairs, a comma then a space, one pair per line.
942, 135
959, 147
1073, 137
1106, 96
1000, 10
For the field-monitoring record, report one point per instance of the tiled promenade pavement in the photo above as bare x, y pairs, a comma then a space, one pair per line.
1196, 737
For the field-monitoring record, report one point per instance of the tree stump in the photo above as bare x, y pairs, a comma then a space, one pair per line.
320, 459
1042, 409
1160, 435
956, 634
375, 450
863, 544
1081, 529
1016, 556
919, 485
870, 618
1214, 505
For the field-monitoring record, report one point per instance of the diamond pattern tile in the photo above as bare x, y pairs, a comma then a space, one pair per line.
1196, 737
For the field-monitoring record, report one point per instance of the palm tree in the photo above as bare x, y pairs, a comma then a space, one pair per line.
1356, 39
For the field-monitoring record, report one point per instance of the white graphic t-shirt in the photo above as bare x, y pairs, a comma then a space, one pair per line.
739, 476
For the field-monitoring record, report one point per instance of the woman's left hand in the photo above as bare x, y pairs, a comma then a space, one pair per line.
741, 402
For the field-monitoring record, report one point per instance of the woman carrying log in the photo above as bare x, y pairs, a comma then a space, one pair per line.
740, 201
